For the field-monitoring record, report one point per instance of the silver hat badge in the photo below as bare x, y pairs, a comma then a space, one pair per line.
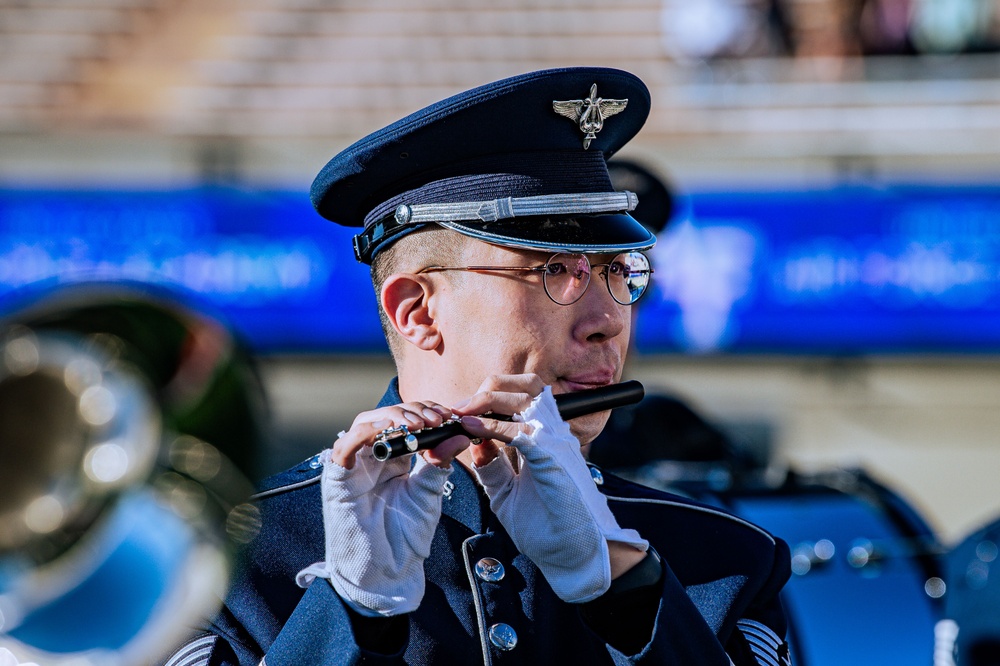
590, 112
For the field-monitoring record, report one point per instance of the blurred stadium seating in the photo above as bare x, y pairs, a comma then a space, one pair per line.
735, 68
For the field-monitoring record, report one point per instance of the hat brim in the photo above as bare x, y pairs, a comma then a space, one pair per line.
590, 234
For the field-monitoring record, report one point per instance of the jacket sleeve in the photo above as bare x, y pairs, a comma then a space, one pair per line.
681, 634
319, 631
759, 639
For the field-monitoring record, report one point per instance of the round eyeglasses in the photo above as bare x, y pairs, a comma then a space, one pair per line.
566, 276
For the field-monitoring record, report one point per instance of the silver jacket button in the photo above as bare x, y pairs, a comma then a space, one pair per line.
490, 570
503, 636
596, 475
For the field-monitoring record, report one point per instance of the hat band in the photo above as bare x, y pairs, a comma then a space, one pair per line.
501, 209
490, 211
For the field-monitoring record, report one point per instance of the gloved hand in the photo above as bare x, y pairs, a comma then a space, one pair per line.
551, 507
379, 519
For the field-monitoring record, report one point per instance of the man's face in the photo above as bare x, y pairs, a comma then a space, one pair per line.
502, 322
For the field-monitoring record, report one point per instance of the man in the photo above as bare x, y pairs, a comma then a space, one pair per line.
505, 266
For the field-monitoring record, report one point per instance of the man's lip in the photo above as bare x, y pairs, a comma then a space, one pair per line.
590, 380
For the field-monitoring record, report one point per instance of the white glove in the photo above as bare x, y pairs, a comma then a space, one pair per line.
379, 519
551, 507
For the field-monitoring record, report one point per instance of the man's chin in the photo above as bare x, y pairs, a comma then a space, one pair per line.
587, 428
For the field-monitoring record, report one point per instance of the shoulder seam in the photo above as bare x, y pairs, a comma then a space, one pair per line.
281, 489
695, 507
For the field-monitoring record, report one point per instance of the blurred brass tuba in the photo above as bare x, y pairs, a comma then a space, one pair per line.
130, 423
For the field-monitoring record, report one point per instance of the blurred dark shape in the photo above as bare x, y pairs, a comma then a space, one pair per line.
129, 422
973, 599
660, 428
656, 199
203, 376
779, 28
663, 442
884, 27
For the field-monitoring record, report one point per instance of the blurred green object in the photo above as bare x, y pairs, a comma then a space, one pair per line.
203, 376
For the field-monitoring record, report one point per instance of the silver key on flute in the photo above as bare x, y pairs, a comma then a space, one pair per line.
399, 441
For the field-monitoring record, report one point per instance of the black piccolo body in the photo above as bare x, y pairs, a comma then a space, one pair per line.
395, 442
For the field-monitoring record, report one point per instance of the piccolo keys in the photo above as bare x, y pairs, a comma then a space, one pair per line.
399, 441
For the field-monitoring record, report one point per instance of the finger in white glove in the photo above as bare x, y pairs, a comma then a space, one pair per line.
543, 415
551, 507
379, 519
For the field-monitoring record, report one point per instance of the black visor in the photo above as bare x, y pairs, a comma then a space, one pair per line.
591, 234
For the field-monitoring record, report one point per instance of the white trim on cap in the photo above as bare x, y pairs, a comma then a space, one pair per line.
586, 203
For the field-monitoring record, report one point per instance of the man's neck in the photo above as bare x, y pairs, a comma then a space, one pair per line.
433, 384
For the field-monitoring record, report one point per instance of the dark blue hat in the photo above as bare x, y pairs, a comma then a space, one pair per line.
520, 162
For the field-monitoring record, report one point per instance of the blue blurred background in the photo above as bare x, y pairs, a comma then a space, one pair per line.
849, 270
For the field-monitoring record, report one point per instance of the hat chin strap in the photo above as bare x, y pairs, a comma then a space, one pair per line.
588, 203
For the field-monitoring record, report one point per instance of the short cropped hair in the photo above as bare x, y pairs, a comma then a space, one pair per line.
430, 246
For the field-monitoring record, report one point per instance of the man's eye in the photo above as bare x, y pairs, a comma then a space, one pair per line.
617, 268
556, 269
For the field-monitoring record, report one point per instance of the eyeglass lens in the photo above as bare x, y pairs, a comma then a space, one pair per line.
567, 276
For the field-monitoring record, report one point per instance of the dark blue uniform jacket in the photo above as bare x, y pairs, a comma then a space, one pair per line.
719, 597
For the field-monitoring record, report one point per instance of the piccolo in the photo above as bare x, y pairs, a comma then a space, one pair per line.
399, 441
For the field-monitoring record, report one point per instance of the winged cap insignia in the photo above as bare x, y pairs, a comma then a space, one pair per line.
589, 113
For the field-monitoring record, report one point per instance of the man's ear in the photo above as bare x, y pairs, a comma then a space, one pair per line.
406, 299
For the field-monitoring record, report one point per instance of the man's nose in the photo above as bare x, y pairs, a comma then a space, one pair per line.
599, 315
